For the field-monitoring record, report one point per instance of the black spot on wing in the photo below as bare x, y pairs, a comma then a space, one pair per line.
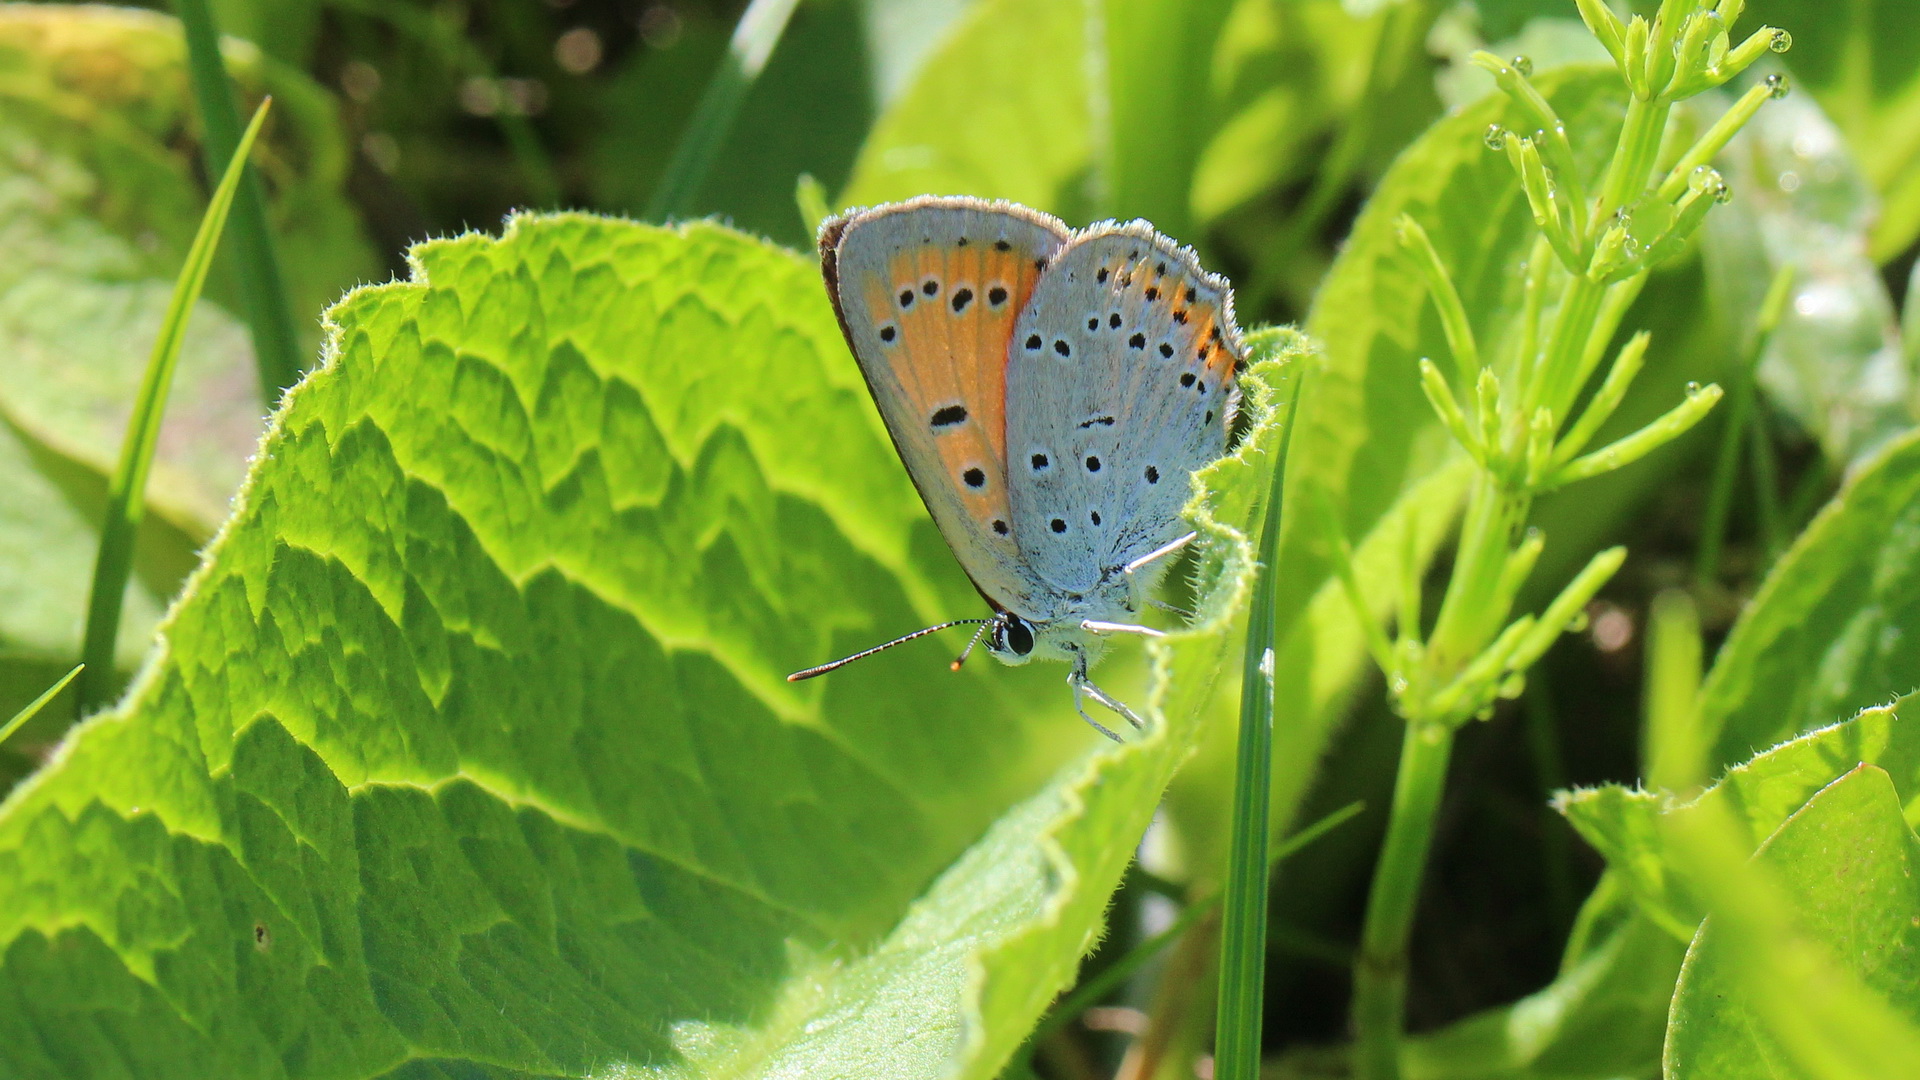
952, 414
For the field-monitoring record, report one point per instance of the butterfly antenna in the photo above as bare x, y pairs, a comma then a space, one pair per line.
971, 642
864, 653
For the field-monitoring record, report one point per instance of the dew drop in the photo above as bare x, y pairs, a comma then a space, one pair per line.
1523, 65
1496, 137
1777, 86
1782, 41
1692, 388
1701, 177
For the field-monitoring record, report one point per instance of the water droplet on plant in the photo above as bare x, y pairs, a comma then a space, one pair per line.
1777, 85
1782, 41
1399, 684
1723, 194
1524, 64
1484, 714
1579, 622
1701, 176
1692, 388
1496, 137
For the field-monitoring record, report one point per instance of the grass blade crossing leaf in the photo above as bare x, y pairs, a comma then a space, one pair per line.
33, 707
126, 495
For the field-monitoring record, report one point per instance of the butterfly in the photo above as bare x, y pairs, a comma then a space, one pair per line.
1050, 392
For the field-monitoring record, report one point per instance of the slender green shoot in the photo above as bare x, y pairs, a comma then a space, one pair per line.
263, 288
1672, 755
33, 707
1091, 992
1739, 413
126, 492
1243, 931
810, 195
753, 41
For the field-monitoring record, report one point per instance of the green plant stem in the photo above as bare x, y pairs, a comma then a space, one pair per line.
126, 491
753, 41
1706, 567
1766, 488
1380, 973
263, 288
1243, 928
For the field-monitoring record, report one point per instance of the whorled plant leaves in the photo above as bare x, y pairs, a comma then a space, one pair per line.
468, 747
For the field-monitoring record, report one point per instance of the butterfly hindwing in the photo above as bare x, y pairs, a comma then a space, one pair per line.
927, 293
1121, 383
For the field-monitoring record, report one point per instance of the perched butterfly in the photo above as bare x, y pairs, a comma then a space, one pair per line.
1050, 392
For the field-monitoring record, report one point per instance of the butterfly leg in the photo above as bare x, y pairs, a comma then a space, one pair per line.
1083, 685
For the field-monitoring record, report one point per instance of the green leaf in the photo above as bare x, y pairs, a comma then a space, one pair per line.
1627, 825
1861, 62
1155, 127
1836, 625
469, 747
1000, 110
1833, 988
100, 190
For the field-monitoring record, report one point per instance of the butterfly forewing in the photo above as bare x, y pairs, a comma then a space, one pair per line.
1121, 383
928, 293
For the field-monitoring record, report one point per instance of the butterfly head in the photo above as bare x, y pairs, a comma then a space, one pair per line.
1010, 638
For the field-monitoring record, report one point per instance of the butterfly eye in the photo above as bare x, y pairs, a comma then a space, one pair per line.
1018, 636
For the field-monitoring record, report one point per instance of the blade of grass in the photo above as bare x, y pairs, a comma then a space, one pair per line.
263, 290
1090, 993
1739, 415
33, 707
754, 37
1243, 929
126, 501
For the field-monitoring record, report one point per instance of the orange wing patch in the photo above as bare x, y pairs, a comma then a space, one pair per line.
951, 309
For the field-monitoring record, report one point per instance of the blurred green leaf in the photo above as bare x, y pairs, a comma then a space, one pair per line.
1158, 54
100, 189
1000, 110
1861, 62
1830, 986
469, 747
1627, 825
1836, 625
1833, 364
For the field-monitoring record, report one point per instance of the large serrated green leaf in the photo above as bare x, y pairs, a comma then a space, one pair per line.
469, 747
